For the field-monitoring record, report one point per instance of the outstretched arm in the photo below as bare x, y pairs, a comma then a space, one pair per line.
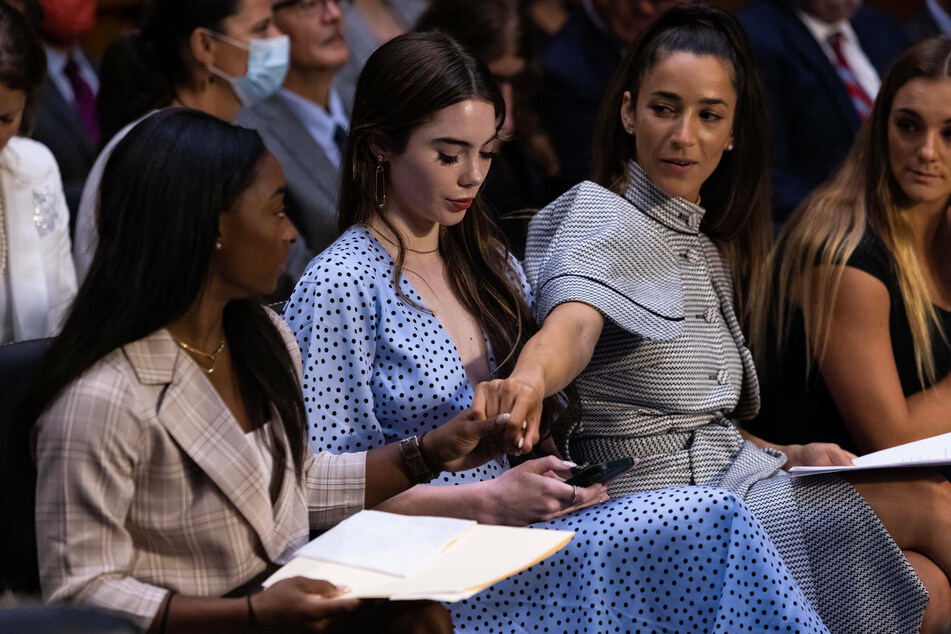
550, 360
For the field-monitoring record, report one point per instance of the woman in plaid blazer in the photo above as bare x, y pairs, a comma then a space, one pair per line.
170, 448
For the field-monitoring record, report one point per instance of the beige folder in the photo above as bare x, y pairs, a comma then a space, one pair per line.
478, 557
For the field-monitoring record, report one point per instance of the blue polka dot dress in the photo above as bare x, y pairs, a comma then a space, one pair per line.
685, 559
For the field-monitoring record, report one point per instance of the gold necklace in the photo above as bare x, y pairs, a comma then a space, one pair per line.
213, 356
405, 248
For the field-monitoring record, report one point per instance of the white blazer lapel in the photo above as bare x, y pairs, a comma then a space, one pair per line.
26, 273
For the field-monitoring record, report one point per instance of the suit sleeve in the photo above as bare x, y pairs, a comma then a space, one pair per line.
87, 444
63, 290
789, 189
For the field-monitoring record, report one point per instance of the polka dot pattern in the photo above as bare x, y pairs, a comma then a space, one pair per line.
688, 559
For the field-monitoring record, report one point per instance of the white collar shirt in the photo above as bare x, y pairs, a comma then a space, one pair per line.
862, 68
941, 17
320, 123
56, 69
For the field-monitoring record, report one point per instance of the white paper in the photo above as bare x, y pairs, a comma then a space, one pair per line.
482, 556
385, 542
929, 452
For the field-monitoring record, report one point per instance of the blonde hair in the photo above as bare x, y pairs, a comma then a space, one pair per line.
863, 197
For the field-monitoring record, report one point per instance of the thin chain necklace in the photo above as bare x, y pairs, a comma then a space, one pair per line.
3, 237
213, 356
405, 248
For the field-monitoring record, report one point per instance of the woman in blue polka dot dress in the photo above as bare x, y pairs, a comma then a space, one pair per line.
418, 301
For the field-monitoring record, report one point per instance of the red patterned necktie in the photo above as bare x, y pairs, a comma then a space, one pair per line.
84, 99
860, 99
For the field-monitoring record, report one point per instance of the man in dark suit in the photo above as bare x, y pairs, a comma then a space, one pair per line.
577, 65
305, 125
822, 62
932, 19
65, 114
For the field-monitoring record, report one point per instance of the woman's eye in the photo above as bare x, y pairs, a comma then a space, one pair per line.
446, 159
489, 155
710, 116
906, 125
661, 109
7, 120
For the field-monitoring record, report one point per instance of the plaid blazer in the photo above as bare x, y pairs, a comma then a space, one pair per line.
147, 483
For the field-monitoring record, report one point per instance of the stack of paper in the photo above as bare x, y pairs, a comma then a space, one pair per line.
929, 452
399, 557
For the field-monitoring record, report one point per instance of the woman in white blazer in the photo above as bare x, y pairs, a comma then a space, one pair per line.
37, 278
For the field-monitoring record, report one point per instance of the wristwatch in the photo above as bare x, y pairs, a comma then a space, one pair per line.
419, 472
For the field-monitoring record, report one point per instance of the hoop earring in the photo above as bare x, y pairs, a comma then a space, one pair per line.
380, 183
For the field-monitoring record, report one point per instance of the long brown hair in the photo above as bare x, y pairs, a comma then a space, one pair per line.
403, 85
862, 197
736, 196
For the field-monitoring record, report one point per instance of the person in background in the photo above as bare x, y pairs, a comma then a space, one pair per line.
931, 20
520, 176
173, 469
210, 55
547, 16
369, 24
305, 124
66, 112
853, 345
822, 61
644, 280
577, 65
37, 279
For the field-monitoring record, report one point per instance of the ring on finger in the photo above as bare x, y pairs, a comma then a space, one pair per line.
574, 494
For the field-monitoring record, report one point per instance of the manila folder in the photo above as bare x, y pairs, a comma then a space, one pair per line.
480, 556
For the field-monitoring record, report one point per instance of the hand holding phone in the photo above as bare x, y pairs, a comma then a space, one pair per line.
602, 472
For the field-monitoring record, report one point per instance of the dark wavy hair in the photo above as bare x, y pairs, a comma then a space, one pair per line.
141, 69
403, 85
163, 190
22, 60
736, 196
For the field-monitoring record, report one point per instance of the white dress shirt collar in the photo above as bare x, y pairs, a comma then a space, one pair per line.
56, 69
863, 69
320, 123
940, 16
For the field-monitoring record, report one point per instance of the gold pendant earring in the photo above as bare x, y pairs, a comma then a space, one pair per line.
380, 183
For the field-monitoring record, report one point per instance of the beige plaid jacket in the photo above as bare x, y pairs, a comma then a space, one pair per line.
147, 483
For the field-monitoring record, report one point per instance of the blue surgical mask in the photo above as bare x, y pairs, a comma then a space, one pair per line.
268, 61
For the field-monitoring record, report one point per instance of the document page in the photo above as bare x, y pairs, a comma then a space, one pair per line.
928, 452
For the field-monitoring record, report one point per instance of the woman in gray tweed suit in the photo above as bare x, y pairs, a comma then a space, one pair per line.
642, 291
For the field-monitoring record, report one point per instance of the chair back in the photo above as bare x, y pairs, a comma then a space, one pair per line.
19, 570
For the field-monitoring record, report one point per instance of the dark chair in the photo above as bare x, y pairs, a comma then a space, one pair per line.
55, 619
19, 363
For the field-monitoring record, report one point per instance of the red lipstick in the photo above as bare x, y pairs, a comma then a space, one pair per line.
461, 204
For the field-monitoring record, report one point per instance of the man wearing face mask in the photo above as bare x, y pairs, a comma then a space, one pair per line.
305, 124
821, 61
207, 55
66, 116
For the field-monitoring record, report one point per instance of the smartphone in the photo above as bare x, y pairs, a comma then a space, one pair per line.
603, 472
